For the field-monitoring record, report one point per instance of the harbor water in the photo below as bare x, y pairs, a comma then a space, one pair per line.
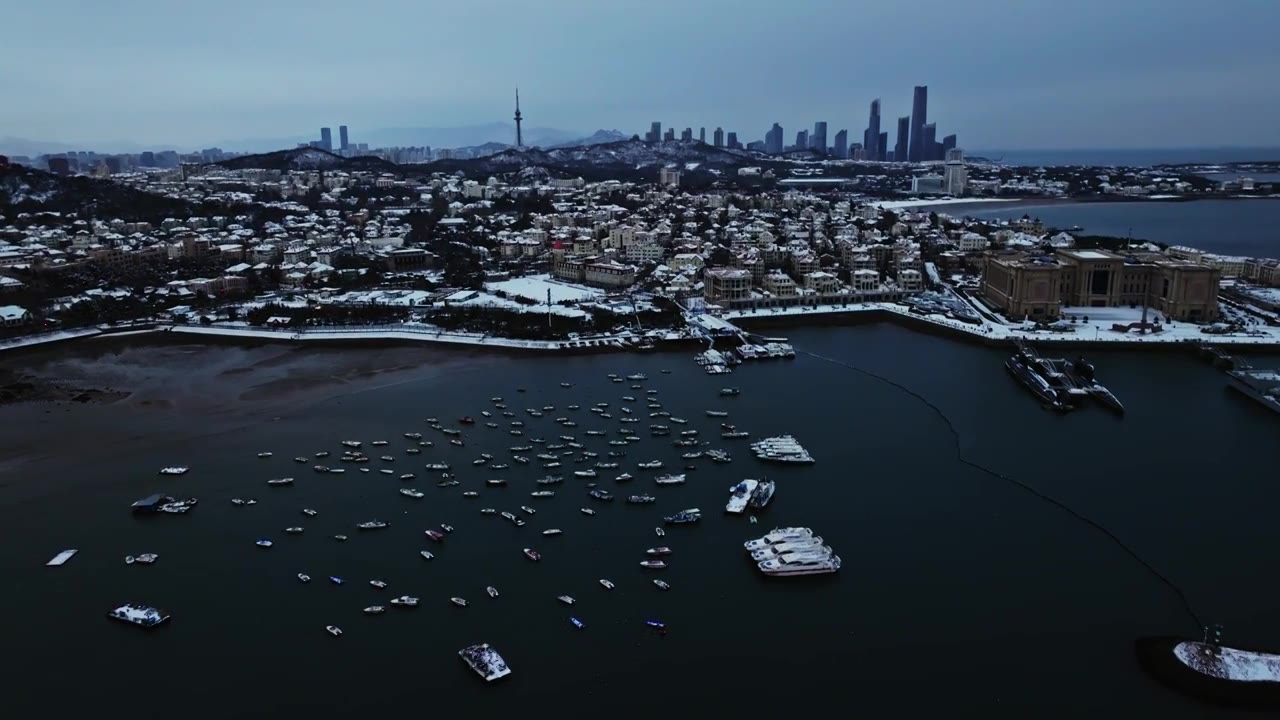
957, 591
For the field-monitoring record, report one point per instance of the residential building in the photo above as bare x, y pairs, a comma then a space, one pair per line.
726, 285
779, 284
669, 176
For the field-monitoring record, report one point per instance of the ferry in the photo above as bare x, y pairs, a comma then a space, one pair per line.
485, 661
140, 615
740, 496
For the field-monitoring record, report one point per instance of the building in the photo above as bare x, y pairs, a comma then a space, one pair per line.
669, 135
326, 138
822, 283
726, 285
919, 117
1023, 286
59, 166
948, 144
732, 142
14, 316
669, 176
955, 176
403, 259
343, 143
773, 140
655, 132
779, 284
718, 137
840, 148
686, 135
818, 140
702, 135
871, 136
930, 143
881, 144
930, 184
904, 131
609, 273
802, 140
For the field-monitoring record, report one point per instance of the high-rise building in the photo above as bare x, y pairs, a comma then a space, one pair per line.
955, 177
904, 131
773, 139
919, 118
948, 144
818, 140
687, 135
928, 141
871, 137
802, 140
732, 142
881, 143
655, 132
342, 138
718, 137
670, 134
840, 149
856, 152
326, 139
147, 159
702, 135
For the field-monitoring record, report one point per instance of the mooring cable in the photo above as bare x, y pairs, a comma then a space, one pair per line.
955, 436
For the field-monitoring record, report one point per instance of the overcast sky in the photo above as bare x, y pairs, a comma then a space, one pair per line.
1003, 74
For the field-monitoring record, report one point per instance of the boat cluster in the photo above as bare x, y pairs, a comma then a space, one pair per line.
792, 551
754, 494
783, 449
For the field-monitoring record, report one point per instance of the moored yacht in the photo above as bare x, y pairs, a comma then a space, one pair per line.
800, 565
779, 535
485, 661
740, 496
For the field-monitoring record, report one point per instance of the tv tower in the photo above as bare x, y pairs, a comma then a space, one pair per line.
519, 139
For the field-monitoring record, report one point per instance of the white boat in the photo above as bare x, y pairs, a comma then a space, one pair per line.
661, 585
140, 615
470, 494
378, 443
485, 661
795, 548
351, 443
717, 413
800, 565
542, 493
783, 448
426, 554
410, 492
378, 584
260, 543
405, 601
652, 464
407, 476
779, 535
308, 512
623, 477
488, 511
61, 558
374, 610
174, 470
566, 599
301, 460
340, 538
304, 577
552, 531
606, 584
730, 391
460, 602
652, 564
669, 479
144, 559
372, 525
280, 481
293, 530
740, 496
587, 511
762, 495
659, 532
493, 591
264, 454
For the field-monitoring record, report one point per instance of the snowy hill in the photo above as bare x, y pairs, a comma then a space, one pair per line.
306, 159
599, 137
24, 189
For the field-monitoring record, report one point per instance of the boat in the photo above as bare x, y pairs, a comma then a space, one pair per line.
599, 494
485, 661
322, 454
641, 499
237, 501
467, 420
652, 464
140, 615
488, 511
584, 473
336, 580
740, 496
577, 623
320, 468
458, 601
263, 543
683, 517
652, 564
378, 443
638, 376
587, 511
304, 577
280, 481
301, 460
455, 441
542, 493
693, 455
372, 525
783, 449
532, 554
174, 470
338, 471
413, 436
718, 456
340, 538
659, 532
606, 584
678, 421
470, 494
779, 535
808, 546
528, 509
405, 601
264, 455
495, 482
375, 610
295, 530
407, 476
434, 535
623, 477
446, 528
669, 479
717, 413
734, 434
730, 391
426, 554
144, 559
351, 443
493, 591
662, 550
1261, 386
61, 558
437, 466
761, 496
802, 564
1041, 378
661, 585
308, 512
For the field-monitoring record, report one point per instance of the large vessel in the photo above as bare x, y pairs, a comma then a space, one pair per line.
140, 615
762, 495
800, 564
1053, 388
740, 495
779, 535
485, 661
783, 448
794, 548
1083, 374
1262, 386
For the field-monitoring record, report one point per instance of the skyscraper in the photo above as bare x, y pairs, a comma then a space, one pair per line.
733, 141
670, 134
326, 138
871, 138
342, 138
718, 137
518, 118
919, 117
928, 141
802, 140
773, 139
655, 132
904, 131
840, 149
687, 135
948, 144
818, 141
702, 135
881, 143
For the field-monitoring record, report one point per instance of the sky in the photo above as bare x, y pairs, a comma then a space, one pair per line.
1007, 74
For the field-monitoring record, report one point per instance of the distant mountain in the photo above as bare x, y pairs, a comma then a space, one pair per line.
24, 189
306, 159
622, 159
599, 137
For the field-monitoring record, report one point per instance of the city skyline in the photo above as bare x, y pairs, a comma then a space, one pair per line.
1095, 77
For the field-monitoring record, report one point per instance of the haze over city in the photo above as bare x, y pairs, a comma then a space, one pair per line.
252, 75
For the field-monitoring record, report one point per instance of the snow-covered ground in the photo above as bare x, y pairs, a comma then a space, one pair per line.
897, 204
486, 300
29, 340
407, 331
535, 287
1229, 663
